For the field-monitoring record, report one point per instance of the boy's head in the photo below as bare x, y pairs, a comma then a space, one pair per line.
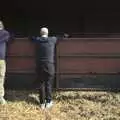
44, 31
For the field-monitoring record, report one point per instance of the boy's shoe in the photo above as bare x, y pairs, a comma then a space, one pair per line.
42, 106
49, 104
2, 101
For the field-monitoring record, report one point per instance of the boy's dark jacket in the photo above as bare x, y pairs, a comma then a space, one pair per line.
45, 48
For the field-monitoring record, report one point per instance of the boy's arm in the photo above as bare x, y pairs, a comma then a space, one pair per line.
32, 38
59, 38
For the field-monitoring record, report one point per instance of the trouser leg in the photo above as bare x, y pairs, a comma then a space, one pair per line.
49, 82
2, 78
46, 75
42, 92
40, 82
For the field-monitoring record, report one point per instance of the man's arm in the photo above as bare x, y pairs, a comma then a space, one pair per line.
5, 37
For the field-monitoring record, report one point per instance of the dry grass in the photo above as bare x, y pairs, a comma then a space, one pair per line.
68, 106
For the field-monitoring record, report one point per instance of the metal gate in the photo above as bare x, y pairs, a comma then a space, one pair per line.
88, 63
81, 63
20, 64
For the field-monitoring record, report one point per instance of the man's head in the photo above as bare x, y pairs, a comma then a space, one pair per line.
44, 31
1, 25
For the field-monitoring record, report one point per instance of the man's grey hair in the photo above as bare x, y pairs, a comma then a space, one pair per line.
1, 25
44, 31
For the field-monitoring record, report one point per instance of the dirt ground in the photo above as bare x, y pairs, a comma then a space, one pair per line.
72, 105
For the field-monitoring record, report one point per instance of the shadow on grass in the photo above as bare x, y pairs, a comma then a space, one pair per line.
31, 97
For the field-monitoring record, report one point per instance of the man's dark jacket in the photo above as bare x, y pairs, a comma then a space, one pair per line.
4, 37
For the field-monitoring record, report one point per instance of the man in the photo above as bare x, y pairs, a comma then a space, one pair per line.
4, 37
45, 47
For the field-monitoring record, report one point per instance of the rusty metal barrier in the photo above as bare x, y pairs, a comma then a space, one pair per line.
81, 64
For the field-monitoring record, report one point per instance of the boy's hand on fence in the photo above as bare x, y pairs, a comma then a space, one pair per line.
66, 35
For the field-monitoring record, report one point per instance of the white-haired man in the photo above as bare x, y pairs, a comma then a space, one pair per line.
4, 37
45, 66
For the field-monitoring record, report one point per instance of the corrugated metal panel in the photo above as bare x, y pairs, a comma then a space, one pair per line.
89, 46
21, 56
21, 47
82, 63
20, 64
87, 60
88, 65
